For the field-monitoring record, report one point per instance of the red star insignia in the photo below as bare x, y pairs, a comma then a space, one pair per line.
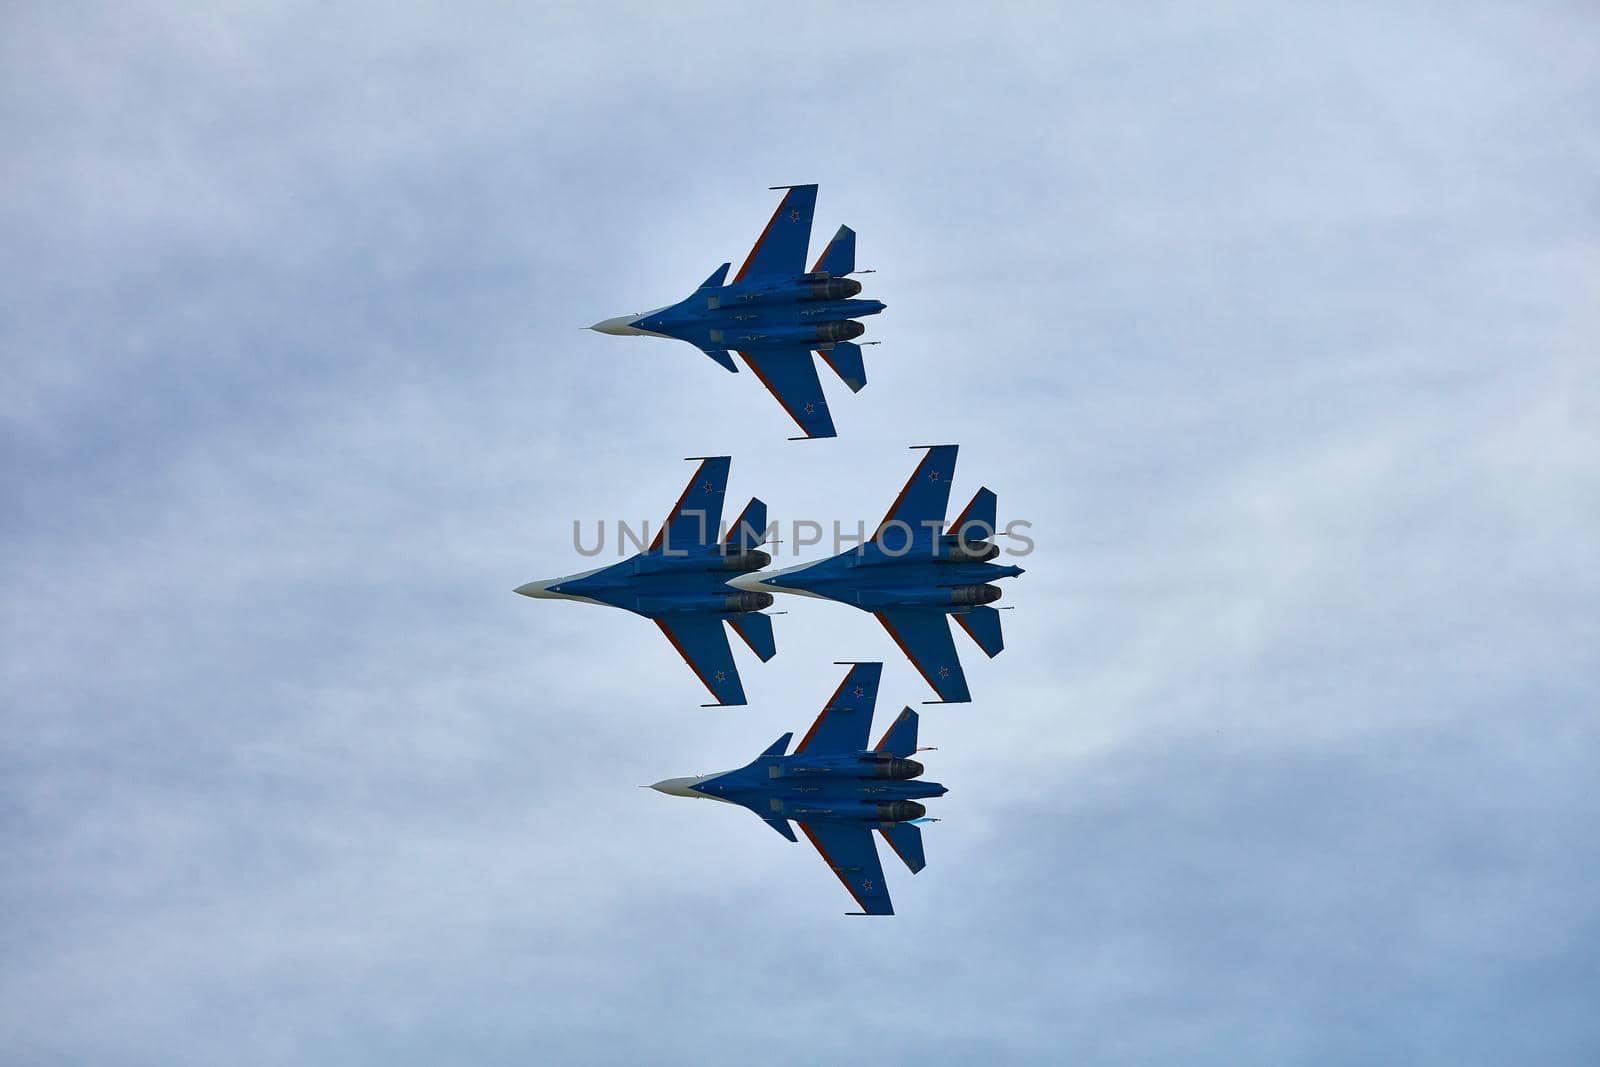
867, 884
721, 677
944, 672
795, 215
811, 409
860, 692
707, 487
933, 476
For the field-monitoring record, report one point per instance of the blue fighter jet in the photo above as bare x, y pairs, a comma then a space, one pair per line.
775, 313
837, 789
680, 582
912, 573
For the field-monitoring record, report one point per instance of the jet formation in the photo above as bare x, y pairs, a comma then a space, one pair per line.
913, 572
837, 789
775, 313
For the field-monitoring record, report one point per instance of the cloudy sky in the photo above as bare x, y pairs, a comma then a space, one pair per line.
1281, 331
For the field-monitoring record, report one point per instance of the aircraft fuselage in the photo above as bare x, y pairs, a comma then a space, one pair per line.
772, 321
872, 579
653, 585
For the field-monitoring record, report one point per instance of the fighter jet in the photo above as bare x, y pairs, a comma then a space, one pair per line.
680, 582
775, 313
912, 573
837, 789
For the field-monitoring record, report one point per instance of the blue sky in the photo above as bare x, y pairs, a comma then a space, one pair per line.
1278, 326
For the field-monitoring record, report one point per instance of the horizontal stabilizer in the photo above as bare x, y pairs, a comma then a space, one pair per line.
717, 278
756, 629
845, 359
906, 841
749, 530
983, 626
900, 739
839, 258
723, 358
977, 520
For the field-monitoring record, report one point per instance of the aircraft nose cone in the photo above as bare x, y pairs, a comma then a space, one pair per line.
750, 583
678, 787
539, 590
621, 326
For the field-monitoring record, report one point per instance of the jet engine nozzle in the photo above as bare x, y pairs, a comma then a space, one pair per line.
975, 594
972, 552
834, 289
897, 769
900, 811
842, 330
747, 601
753, 560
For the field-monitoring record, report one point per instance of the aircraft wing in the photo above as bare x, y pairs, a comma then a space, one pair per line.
847, 716
696, 519
924, 499
790, 375
924, 636
781, 248
703, 644
850, 851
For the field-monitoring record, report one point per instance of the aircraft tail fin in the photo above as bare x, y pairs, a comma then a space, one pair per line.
749, 530
845, 359
977, 520
723, 359
982, 624
906, 840
839, 258
718, 277
756, 630
778, 747
900, 739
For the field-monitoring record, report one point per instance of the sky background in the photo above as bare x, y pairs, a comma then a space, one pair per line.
1281, 329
